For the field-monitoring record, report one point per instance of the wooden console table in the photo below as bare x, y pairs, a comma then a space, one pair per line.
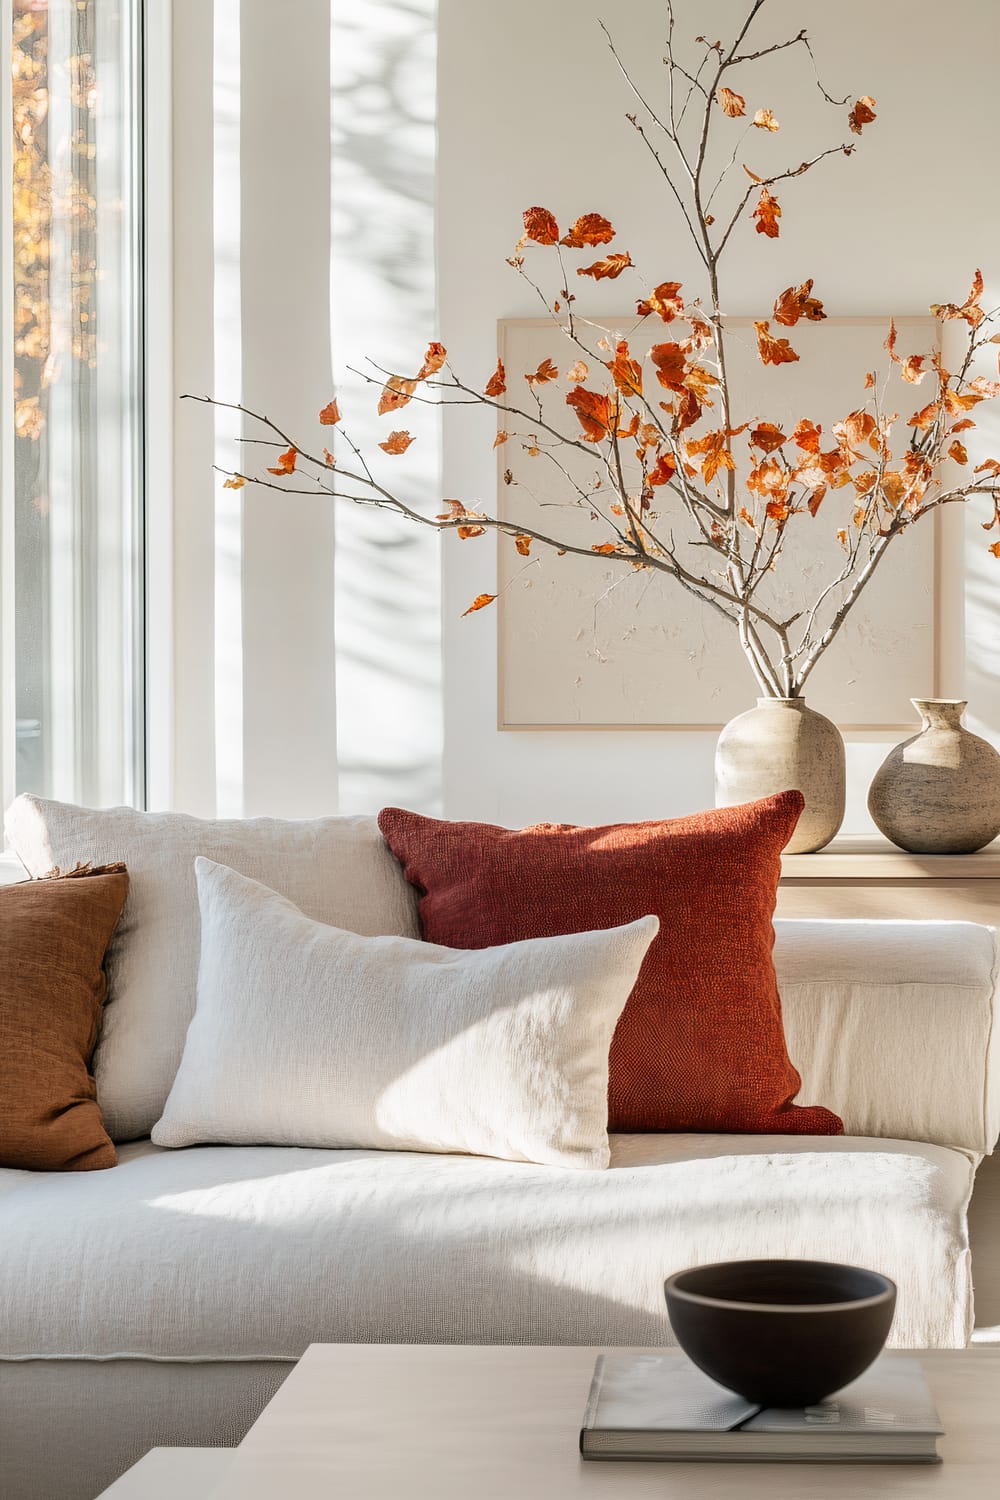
869, 877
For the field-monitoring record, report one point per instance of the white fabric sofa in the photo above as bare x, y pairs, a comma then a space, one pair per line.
165, 1300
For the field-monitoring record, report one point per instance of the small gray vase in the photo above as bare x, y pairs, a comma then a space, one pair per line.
939, 792
779, 746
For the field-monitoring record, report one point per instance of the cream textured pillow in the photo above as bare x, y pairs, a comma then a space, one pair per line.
335, 869
307, 1035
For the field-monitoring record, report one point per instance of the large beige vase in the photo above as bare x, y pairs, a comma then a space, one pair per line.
779, 746
939, 792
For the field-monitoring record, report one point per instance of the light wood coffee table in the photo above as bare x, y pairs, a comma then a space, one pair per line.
440, 1422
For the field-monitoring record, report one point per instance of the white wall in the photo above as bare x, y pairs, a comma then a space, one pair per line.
531, 111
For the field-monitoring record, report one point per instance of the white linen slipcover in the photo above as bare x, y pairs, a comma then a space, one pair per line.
336, 870
893, 1025
255, 1252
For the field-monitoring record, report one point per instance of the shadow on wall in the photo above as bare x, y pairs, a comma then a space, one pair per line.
383, 64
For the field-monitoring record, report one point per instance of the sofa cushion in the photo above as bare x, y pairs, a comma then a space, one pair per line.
53, 935
307, 1035
700, 1044
336, 870
893, 1025
228, 1253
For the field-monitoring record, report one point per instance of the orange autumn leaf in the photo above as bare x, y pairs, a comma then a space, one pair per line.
465, 532
700, 381
764, 120
608, 269
795, 303
593, 412
577, 374
546, 371
970, 310
589, 229
330, 414
778, 511
716, 455
766, 214
925, 417
627, 372
767, 436
733, 104
523, 545
773, 351
664, 301
329, 459
540, 226
960, 401
501, 437
234, 482
816, 499
671, 365
909, 368
395, 393
958, 452
497, 383
456, 508
605, 548
863, 113
995, 548
666, 468
807, 436
688, 410
632, 428
479, 602
702, 334
748, 519
433, 360
286, 462
396, 442
988, 466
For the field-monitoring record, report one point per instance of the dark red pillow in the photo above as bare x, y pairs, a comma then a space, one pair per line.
700, 1044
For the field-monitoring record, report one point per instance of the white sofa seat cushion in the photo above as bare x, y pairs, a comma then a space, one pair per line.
336, 870
893, 1025
253, 1253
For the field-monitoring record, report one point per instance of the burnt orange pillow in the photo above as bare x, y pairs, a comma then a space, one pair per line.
53, 935
700, 1044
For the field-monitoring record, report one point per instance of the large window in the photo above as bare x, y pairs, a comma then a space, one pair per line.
72, 496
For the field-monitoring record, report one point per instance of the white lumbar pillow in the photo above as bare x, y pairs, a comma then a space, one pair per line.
335, 869
308, 1035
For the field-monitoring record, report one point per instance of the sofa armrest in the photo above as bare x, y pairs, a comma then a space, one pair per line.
893, 1025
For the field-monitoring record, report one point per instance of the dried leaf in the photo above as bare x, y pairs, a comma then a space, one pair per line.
909, 368
924, 418
995, 548
546, 371
666, 468
329, 459
773, 351
456, 508
752, 175
627, 372
748, 519
664, 301
716, 454
700, 381
523, 545
988, 466
607, 549
330, 415
958, 452
286, 462
479, 602
497, 383
816, 499
501, 437
397, 442
671, 365
433, 360
795, 303
807, 436
578, 373
237, 481
589, 229
608, 269
764, 120
767, 436
465, 532
766, 214
970, 310
863, 113
593, 412
395, 393
540, 226
733, 104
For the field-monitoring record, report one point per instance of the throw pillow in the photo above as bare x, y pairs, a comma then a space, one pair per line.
700, 1045
311, 1036
53, 935
336, 869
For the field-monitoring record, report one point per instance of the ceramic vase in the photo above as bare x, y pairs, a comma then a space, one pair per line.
781, 745
939, 792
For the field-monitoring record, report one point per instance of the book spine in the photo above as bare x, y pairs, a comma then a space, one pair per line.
590, 1415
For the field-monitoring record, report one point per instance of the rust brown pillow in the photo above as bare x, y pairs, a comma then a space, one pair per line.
53, 935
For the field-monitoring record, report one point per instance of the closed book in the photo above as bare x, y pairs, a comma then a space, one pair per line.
660, 1406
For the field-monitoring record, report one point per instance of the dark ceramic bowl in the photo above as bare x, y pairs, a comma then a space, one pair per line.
781, 1332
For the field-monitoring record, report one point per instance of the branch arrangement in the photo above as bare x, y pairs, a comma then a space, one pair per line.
655, 421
